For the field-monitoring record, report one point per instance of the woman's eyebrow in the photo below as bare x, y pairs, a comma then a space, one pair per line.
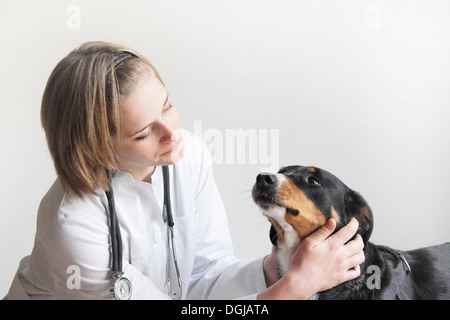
139, 131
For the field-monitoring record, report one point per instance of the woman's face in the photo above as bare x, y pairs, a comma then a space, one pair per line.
151, 133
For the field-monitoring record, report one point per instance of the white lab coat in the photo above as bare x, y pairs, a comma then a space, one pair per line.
73, 238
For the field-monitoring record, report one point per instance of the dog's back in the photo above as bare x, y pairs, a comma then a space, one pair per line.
430, 273
389, 274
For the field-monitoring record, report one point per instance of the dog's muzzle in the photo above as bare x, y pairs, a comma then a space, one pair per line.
264, 180
265, 190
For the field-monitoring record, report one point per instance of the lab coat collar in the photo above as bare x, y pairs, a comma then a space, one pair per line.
125, 176
156, 186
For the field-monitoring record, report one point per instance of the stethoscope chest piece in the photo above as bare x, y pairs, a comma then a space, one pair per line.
121, 288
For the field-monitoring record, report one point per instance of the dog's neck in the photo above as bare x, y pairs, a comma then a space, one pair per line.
358, 288
286, 250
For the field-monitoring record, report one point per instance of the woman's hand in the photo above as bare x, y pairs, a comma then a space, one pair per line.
320, 263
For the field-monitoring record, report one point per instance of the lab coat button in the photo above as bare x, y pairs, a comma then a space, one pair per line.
157, 237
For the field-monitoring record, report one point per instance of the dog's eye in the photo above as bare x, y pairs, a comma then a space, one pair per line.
313, 181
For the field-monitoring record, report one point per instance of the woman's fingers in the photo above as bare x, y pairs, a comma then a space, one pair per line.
355, 246
354, 261
321, 234
345, 234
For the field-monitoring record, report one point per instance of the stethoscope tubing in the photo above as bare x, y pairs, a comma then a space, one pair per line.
116, 238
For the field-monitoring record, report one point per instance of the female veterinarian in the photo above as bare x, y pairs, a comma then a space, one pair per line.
126, 171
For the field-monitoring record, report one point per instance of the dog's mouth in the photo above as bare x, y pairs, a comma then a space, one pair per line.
270, 200
265, 199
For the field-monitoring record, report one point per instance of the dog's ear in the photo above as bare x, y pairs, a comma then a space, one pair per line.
357, 207
273, 235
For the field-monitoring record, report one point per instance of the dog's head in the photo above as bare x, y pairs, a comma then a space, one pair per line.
303, 198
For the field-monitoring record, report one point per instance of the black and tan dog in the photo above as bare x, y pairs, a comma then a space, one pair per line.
298, 200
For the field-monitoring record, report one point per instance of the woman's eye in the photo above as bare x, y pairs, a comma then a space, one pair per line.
145, 134
313, 181
169, 107
142, 138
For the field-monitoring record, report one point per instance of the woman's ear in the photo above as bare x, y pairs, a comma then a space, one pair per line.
357, 207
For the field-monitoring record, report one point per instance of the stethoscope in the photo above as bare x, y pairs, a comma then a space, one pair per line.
122, 289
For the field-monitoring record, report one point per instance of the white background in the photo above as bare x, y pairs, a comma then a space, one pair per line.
360, 88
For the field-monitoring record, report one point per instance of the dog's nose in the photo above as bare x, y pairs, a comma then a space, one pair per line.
265, 179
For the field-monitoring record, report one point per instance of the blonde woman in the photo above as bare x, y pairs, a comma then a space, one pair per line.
106, 110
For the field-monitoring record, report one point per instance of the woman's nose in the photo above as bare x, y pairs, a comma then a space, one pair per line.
168, 133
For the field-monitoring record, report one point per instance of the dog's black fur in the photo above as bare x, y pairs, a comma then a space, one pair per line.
424, 273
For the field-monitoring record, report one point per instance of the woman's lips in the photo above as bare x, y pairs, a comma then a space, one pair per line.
175, 146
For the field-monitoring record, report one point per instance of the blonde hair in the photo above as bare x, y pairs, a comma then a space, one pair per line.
80, 112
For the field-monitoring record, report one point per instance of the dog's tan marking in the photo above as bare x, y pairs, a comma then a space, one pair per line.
364, 212
278, 229
363, 218
311, 169
335, 215
309, 218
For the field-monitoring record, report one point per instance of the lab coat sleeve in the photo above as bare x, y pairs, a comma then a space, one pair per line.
217, 274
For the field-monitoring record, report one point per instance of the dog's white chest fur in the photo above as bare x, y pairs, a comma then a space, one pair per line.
286, 249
